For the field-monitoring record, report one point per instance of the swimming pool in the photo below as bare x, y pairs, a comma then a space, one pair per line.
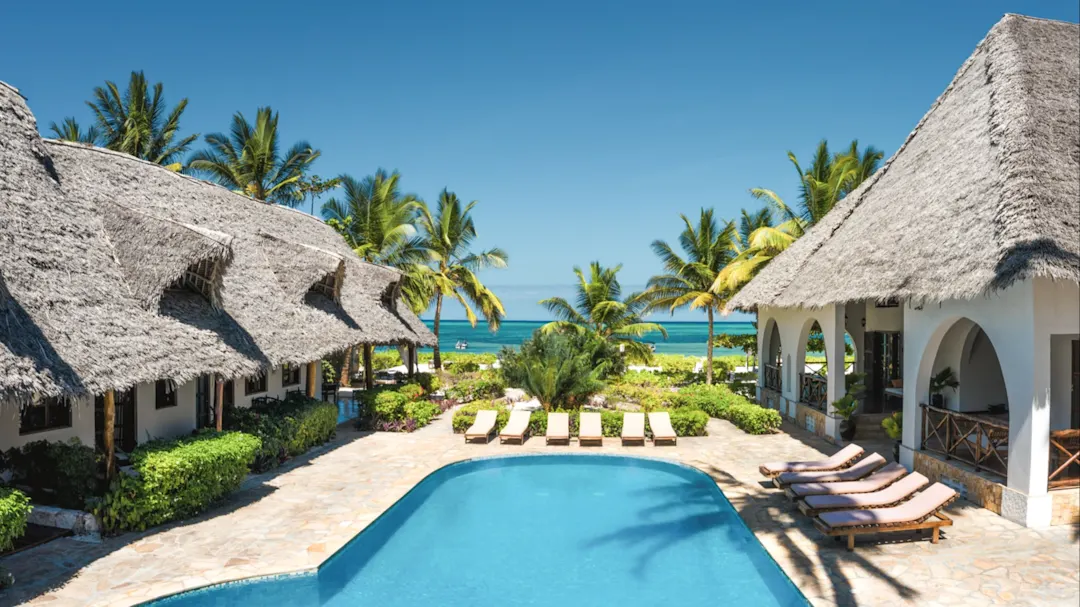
566, 530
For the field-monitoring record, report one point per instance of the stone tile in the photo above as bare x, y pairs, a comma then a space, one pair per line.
294, 518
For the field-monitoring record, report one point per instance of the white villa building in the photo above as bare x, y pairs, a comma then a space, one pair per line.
171, 298
961, 252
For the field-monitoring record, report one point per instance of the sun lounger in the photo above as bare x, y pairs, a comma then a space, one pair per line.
516, 427
924, 511
878, 480
591, 430
841, 459
633, 428
660, 423
892, 495
558, 427
483, 426
862, 469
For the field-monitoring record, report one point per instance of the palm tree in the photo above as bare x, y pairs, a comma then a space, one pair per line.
377, 221
829, 179
601, 310
247, 160
137, 122
447, 235
708, 247
69, 130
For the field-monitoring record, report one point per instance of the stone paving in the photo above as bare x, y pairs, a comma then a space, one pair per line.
296, 517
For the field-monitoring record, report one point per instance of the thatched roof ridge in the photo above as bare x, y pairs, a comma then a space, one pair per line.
69, 324
984, 192
262, 231
155, 253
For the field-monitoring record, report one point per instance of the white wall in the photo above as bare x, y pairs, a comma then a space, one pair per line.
170, 422
82, 426
1061, 381
890, 320
1057, 315
274, 387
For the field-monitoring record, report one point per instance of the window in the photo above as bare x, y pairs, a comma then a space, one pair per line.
166, 394
290, 375
255, 384
891, 302
45, 414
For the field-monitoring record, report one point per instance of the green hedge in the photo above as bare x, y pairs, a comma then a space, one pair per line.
412, 391
486, 385
430, 382
390, 406
754, 419
177, 479
58, 473
14, 510
720, 401
285, 429
422, 412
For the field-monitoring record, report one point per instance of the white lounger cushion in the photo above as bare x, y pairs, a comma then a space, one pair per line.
878, 480
876, 499
517, 425
483, 425
860, 470
591, 427
633, 426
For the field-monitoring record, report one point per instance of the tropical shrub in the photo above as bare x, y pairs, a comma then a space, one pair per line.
177, 479
14, 510
558, 369
485, 385
385, 359
390, 406
421, 411
285, 429
689, 422
466, 415
57, 473
412, 391
430, 382
712, 399
754, 419
480, 358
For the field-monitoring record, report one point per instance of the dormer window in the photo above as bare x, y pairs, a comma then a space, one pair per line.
200, 277
327, 286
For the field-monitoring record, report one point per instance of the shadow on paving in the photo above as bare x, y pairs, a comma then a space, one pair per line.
48, 567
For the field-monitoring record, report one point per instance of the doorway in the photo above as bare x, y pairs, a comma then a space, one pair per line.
125, 436
884, 367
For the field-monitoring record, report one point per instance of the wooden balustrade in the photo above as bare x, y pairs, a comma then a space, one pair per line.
773, 378
813, 390
970, 438
1064, 459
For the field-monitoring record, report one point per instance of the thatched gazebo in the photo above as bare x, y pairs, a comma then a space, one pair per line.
962, 253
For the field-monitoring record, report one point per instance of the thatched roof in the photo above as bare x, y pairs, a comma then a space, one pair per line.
94, 245
983, 193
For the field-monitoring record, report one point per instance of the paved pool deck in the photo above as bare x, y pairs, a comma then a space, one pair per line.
294, 518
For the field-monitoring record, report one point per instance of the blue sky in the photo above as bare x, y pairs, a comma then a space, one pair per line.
583, 128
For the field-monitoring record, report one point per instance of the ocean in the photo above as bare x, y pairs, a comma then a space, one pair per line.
687, 338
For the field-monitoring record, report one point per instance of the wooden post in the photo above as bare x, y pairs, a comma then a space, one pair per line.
311, 379
410, 351
345, 377
107, 434
219, 403
369, 373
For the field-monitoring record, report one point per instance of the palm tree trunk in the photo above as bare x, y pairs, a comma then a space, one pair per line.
369, 372
708, 355
346, 369
437, 362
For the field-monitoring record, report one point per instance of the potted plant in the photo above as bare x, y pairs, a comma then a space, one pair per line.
894, 428
845, 410
944, 379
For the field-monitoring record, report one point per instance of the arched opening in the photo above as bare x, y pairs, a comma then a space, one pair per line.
772, 357
965, 404
813, 371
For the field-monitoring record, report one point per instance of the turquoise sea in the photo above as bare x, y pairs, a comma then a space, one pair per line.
686, 338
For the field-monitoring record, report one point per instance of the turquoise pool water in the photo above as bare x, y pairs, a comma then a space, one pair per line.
565, 530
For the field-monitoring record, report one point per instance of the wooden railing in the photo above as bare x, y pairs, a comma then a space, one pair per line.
1064, 459
813, 390
969, 438
773, 379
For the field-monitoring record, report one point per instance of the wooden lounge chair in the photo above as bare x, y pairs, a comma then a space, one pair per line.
483, 426
558, 428
878, 480
862, 469
890, 496
592, 430
516, 427
841, 459
924, 511
660, 423
633, 428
